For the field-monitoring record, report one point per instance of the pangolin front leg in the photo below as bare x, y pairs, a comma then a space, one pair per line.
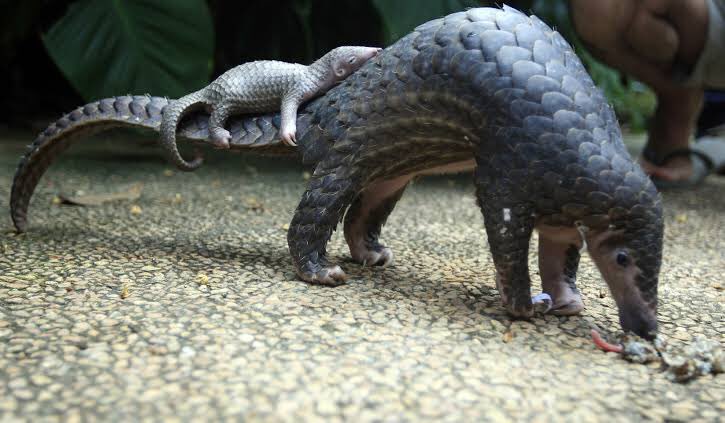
323, 204
366, 217
509, 224
288, 112
558, 264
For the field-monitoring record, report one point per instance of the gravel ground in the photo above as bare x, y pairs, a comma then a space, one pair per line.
184, 304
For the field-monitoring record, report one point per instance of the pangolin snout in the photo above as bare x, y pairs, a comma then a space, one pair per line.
374, 51
641, 322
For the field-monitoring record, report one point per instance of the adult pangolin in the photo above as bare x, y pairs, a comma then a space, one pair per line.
261, 86
487, 89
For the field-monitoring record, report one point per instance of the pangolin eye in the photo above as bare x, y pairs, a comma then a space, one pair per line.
622, 259
351, 60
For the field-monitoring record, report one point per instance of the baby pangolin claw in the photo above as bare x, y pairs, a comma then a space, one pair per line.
288, 137
220, 138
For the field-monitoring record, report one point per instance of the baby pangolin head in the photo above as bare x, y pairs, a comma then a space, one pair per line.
343, 61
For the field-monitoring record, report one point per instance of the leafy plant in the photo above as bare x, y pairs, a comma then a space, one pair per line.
106, 48
633, 101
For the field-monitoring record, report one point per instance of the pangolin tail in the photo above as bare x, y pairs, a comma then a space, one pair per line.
169, 125
129, 111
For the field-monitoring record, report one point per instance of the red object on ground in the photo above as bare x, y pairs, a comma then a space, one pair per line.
604, 345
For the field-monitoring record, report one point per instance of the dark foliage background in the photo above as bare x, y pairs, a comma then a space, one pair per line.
56, 55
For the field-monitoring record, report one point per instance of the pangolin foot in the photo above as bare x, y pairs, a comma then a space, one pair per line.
329, 276
288, 136
520, 311
220, 138
566, 298
570, 305
567, 306
377, 256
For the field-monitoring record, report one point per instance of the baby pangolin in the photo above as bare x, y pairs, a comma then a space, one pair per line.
261, 86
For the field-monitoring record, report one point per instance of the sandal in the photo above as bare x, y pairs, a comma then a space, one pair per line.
713, 146
702, 164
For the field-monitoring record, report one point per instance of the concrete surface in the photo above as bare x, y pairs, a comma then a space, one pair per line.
184, 304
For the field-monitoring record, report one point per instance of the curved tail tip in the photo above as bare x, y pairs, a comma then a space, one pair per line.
194, 164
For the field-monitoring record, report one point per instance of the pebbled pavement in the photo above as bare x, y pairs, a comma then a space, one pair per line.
184, 304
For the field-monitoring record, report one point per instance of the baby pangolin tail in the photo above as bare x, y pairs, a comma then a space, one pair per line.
172, 115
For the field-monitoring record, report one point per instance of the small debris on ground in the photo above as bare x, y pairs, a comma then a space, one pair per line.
202, 279
638, 350
125, 292
699, 358
136, 209
253, 204
132, 193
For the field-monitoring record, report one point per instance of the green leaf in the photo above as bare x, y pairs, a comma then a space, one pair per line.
402, 16
633, 102
113, 47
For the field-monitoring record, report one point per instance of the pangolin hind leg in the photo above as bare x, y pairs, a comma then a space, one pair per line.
558, 264
328, 195
219, 136
365, 218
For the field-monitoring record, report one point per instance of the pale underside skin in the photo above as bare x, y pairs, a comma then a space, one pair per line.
374, 195
554, 241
